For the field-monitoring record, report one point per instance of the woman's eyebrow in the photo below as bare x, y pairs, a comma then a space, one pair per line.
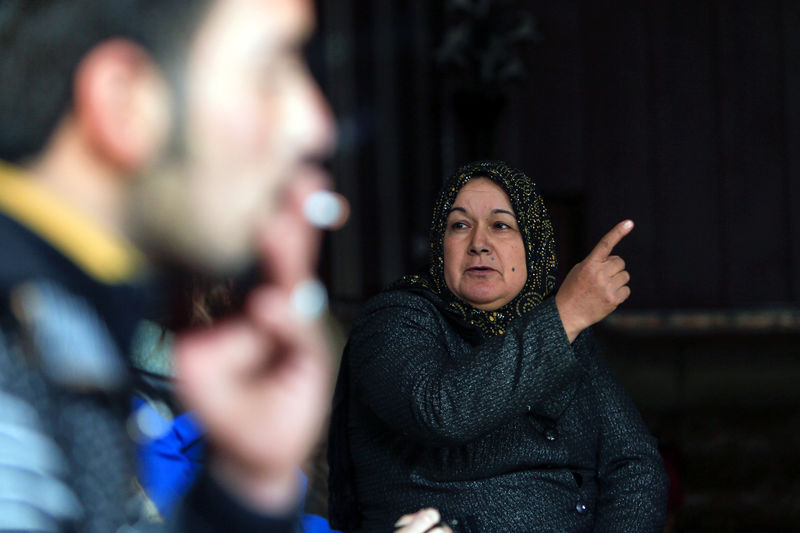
494, 211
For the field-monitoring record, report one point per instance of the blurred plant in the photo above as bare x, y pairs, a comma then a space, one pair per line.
484, 44
482, 53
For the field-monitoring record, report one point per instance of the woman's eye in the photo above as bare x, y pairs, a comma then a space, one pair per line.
501, 225
458, 225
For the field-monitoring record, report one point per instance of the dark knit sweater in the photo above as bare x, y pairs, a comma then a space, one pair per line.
517, 432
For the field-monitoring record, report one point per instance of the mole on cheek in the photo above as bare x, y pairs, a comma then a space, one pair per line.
513, 269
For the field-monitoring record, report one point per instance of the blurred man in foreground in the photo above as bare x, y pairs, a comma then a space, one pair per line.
138, 137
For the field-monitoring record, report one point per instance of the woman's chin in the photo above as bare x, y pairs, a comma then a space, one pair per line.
483, 301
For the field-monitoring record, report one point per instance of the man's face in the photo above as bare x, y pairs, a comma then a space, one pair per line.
253, 121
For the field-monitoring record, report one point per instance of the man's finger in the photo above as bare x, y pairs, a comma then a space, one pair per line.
289, 247
610, 240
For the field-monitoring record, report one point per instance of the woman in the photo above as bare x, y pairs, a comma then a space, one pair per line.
473, 390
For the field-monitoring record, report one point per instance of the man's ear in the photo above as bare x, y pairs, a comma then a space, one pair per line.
122, 104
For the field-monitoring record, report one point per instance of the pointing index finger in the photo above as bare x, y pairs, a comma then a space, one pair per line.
610, 240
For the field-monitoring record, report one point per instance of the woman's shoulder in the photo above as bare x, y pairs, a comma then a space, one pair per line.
400, 298
396, 317
395, 306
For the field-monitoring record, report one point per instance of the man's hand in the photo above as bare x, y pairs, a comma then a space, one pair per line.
595, 286
260, 382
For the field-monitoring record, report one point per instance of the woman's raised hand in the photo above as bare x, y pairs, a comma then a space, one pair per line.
595, 286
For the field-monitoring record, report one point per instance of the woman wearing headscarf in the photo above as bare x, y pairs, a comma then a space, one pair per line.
474, 389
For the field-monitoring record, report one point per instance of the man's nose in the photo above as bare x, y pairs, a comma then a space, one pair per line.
311, 122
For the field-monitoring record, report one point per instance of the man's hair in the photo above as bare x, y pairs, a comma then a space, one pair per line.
42, 42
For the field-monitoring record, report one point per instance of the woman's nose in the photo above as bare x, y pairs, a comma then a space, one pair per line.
479, 244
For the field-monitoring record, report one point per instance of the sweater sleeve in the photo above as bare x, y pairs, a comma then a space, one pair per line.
210, 508
633, 482
411, 369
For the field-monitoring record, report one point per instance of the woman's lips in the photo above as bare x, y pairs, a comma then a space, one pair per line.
480, 270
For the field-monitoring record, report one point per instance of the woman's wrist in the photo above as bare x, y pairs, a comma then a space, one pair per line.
567, 321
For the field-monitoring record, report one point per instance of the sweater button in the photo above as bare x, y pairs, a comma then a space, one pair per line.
581, 507
551, 434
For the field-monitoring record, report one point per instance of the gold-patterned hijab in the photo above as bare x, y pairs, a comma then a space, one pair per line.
537, 235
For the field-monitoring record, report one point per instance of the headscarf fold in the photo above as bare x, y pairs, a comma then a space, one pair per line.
535, 227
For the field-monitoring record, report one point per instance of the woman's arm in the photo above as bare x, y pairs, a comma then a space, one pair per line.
631, 475
411, 369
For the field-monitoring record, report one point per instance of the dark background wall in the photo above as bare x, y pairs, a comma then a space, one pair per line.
681, 114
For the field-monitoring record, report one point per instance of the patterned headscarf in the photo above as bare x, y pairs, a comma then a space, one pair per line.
537, 235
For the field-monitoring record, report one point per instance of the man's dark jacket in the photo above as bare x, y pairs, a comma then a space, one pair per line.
71, 296
517, 432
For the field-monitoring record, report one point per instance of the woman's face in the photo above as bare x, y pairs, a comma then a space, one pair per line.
484, 256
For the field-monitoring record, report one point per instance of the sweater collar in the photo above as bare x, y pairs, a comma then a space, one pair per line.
104, 256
